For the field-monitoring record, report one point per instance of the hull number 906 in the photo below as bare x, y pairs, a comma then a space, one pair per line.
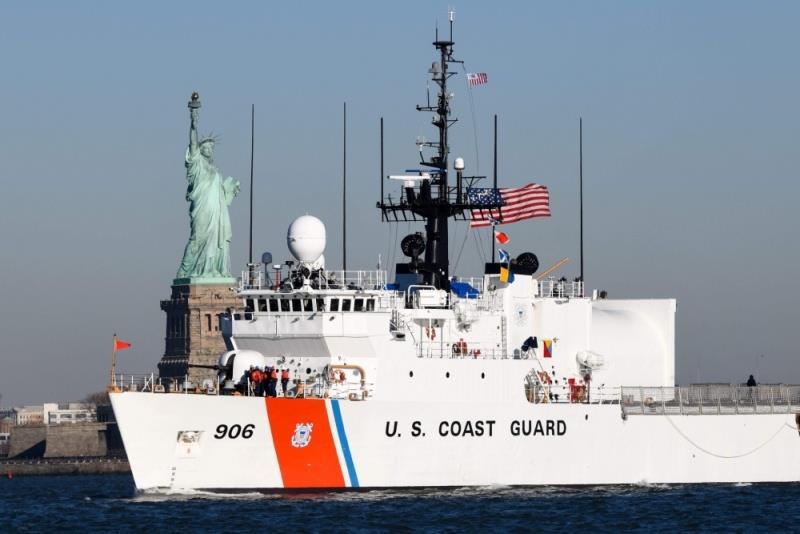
234, 431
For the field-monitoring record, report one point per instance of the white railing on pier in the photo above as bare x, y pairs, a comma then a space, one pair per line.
710, 399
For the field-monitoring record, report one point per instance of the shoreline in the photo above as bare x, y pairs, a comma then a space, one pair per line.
64, 466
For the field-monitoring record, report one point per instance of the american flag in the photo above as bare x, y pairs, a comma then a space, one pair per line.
477, 78
519, 203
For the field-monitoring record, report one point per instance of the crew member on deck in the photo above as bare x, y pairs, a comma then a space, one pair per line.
285, 381
273, 382
257, 378
751, 382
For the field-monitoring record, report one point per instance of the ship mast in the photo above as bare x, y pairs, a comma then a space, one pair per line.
433, 200
439, 209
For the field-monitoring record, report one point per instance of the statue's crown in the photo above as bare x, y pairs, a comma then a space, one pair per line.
210, 138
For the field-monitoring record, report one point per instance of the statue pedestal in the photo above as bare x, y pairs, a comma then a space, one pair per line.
193, 328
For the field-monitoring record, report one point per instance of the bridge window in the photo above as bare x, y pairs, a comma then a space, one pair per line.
273, 305
284, 305
308, 306
262, 305
334, 305
358, 305
346, 304
248, 305
371, 305
296, 305
320, 305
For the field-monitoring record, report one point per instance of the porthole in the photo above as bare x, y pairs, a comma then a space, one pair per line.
308, 370
411, 374
447, 374
483, 375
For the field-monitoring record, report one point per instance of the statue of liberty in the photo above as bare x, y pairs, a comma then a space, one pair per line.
207, 255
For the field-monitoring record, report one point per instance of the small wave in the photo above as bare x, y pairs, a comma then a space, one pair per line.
163, 494
651, 485
742, 484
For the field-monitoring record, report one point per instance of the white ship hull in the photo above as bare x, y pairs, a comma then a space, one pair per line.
355, 444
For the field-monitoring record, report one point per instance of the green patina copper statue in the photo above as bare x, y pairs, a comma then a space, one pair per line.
207, 254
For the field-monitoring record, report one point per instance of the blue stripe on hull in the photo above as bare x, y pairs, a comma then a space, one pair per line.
351, 469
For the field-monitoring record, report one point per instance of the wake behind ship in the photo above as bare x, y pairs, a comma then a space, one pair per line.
430, 379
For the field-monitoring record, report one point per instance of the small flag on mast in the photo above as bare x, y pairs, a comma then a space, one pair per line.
121, 345
501, 237
506, 274
477, 78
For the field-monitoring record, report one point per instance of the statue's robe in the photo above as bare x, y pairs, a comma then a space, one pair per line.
208, 250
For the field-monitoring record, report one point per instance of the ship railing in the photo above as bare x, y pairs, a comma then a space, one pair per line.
255, 279
553, 288
135, 382
470, 351
539, 393
149, 383
708, 399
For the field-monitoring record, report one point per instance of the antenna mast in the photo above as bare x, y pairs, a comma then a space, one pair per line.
344, 188
252, 152
580, 179
430, 198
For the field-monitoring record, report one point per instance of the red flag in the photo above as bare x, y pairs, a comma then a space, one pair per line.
121, 345
501, 237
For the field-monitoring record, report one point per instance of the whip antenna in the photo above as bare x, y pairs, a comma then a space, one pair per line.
252, 152
344, 188
580, 179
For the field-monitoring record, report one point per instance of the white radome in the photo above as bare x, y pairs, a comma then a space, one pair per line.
306, 238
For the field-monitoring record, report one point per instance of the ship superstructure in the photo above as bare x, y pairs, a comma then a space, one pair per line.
431, 379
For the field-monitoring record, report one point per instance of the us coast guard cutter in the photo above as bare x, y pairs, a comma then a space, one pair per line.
433, 380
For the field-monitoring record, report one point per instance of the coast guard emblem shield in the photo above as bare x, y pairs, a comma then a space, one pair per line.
302, 434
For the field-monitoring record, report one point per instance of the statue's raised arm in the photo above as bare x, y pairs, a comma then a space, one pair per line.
194, 106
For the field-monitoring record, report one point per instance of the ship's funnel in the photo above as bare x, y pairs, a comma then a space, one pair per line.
306, 239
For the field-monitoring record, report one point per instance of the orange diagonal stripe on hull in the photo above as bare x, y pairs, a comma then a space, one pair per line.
314, 466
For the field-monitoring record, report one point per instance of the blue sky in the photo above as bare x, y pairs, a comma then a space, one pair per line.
690, 146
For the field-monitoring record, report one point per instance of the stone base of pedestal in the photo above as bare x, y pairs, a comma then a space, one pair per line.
193, 328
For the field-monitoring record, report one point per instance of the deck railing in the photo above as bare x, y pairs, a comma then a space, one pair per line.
552, 288
710, 399
257, 279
